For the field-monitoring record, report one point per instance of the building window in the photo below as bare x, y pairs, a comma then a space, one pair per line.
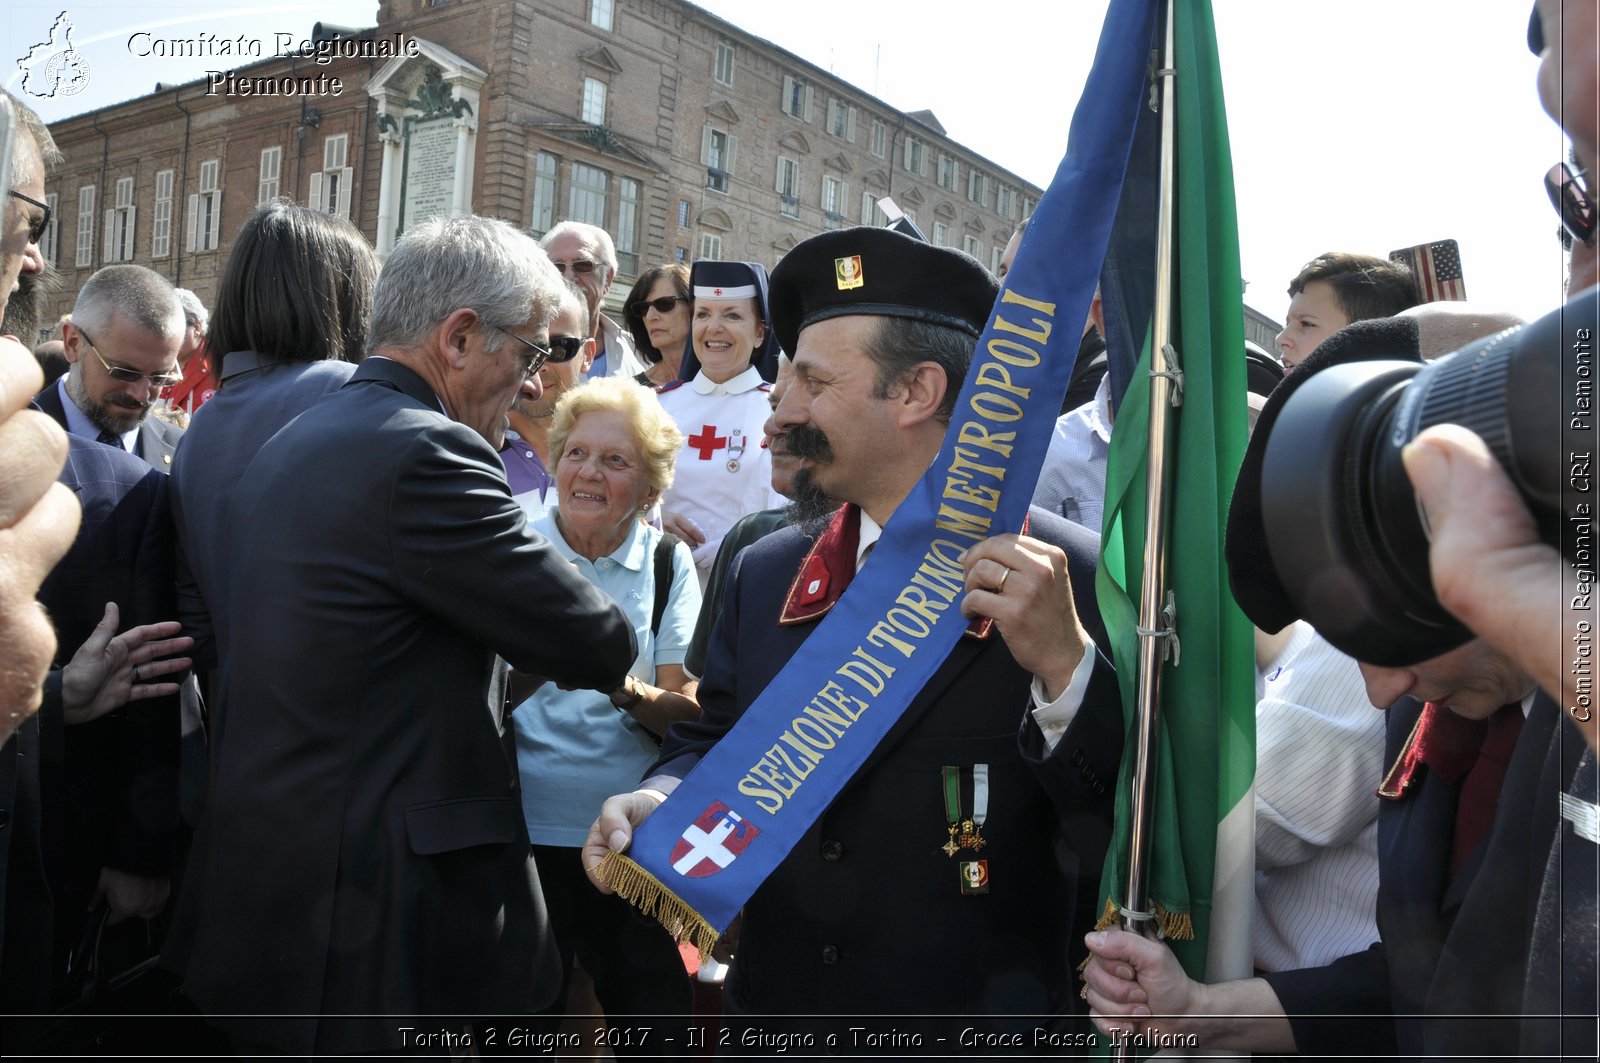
161, 223
788, 187
870, 214
267, 183
601, 13
880, 137
1028, 203
796, 102
941, 234
120, 219
969, 244
711, 246
842, 120
716, 151
977, 187
588, 200
683, 213
205, 210
330, 189
626, 234
544, 193
947, 172
680, 254
722, 71
835, 193
995, 255
85, 250
916, 157
50, 242
1005, 202
594, 102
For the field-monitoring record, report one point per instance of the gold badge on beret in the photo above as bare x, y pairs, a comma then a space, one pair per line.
847, 272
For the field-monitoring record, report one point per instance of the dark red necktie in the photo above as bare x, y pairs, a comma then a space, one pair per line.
1480, 791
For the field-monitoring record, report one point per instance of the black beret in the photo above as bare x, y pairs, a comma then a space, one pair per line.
868, 270
1255, 583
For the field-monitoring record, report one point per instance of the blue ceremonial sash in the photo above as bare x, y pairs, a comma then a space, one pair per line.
700, 855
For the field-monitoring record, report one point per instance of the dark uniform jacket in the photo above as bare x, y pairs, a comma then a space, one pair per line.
866, 915
1451, 962
363, 851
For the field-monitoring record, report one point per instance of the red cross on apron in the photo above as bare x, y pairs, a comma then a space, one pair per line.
707, 442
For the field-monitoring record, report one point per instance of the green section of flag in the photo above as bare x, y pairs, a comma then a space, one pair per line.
1207, 748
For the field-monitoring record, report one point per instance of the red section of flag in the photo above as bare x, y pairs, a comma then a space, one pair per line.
1437, 267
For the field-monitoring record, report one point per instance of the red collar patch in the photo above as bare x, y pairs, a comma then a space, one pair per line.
829, 567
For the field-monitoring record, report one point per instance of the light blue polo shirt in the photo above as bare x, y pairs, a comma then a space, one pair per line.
574, 748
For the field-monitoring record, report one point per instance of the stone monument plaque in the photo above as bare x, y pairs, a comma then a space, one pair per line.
430, 170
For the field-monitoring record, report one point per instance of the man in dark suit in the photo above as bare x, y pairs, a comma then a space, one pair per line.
109, 737
122, 342
362, 859
1023, 711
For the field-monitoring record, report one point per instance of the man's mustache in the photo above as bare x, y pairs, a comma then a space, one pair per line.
807, 442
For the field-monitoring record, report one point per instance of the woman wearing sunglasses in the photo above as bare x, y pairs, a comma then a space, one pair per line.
657, 315
724, 472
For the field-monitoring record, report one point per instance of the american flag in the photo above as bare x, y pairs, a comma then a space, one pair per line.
1437, 267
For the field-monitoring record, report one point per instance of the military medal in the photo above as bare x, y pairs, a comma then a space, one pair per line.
736, 441
951, 778
972, 829
974, 877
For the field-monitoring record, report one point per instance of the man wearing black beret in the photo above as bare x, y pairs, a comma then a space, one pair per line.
1010, 751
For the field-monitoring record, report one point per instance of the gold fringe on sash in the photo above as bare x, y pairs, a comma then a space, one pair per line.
641, 889
1179, 926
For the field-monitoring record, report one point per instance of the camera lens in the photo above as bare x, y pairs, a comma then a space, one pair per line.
1343, 528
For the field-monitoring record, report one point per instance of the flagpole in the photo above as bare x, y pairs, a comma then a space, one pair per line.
1156, 615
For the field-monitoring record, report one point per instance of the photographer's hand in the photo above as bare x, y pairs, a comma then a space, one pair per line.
1490, 567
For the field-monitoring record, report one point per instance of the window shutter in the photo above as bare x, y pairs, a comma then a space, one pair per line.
777, 185
189, 233
788, 95
314, 193
727, 163
342, 208
133, 228
705, 145
110, 241
215, 230
850, 125
807, 107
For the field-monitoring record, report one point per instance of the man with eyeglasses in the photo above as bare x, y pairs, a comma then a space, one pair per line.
527, 449
363, 859
586, 255
122, 345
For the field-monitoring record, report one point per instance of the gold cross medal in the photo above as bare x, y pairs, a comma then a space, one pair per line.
950, 778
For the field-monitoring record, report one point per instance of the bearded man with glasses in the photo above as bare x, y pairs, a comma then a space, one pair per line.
122, 345
527, 449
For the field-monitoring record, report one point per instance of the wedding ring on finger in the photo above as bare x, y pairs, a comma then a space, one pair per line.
1000, 588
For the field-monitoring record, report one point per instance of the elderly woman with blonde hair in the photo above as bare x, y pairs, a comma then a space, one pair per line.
614, 450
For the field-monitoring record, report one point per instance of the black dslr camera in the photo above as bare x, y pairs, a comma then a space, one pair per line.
1343, 528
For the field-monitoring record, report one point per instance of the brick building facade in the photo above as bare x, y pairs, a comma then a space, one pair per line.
682, 135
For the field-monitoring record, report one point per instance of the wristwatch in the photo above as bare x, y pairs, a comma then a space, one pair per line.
628, 695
